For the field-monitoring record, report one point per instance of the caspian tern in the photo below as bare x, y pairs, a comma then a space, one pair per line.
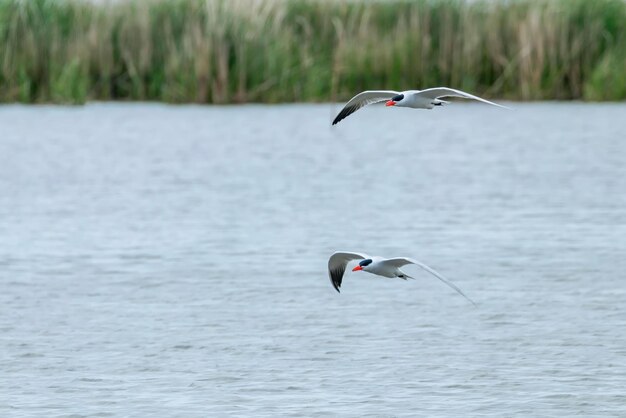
386, 267
417, 99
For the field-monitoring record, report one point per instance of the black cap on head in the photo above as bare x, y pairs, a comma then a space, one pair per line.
365, 262
398, 98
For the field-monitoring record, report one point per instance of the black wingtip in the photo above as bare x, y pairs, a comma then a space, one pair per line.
345, 112
336, 275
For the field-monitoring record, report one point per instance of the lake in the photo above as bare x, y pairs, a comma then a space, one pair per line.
171, 261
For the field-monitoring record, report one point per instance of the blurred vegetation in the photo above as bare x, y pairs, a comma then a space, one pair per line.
222, 51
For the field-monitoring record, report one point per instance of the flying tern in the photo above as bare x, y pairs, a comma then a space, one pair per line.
417, 99
386, 267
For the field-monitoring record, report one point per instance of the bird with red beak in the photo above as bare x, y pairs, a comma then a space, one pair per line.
385, 267
416, 99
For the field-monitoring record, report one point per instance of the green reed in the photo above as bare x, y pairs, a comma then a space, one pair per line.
234, 51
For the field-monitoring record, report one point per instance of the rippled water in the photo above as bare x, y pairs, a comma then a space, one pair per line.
171, 261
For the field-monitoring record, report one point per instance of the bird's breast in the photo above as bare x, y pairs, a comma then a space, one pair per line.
381, 270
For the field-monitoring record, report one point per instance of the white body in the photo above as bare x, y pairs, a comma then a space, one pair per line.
416, 99
386, 267
380, 267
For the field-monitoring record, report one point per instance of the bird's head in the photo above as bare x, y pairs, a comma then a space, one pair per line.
363, 265
396, 100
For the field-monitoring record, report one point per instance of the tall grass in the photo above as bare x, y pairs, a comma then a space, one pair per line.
223, 51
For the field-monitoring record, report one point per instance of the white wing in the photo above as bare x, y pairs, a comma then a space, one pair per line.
363, 99
337, 266
402, 261
437, 92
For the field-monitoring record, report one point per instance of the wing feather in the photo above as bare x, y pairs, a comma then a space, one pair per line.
436, 92
337, 266
402, 261
363, 99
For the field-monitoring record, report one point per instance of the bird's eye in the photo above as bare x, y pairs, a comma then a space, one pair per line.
398, 98
365, 262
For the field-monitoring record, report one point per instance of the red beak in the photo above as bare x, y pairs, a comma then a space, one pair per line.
357, 268
390, 103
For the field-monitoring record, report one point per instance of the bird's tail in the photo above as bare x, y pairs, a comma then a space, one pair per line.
405, 276
439, 102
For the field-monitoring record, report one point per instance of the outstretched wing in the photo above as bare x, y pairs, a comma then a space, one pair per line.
437, 92
337, 266
402, 261
363, 99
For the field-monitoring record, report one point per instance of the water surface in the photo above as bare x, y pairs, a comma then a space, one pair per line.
171, 261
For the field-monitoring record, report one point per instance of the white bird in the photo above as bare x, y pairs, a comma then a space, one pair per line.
417, 99
386, 267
